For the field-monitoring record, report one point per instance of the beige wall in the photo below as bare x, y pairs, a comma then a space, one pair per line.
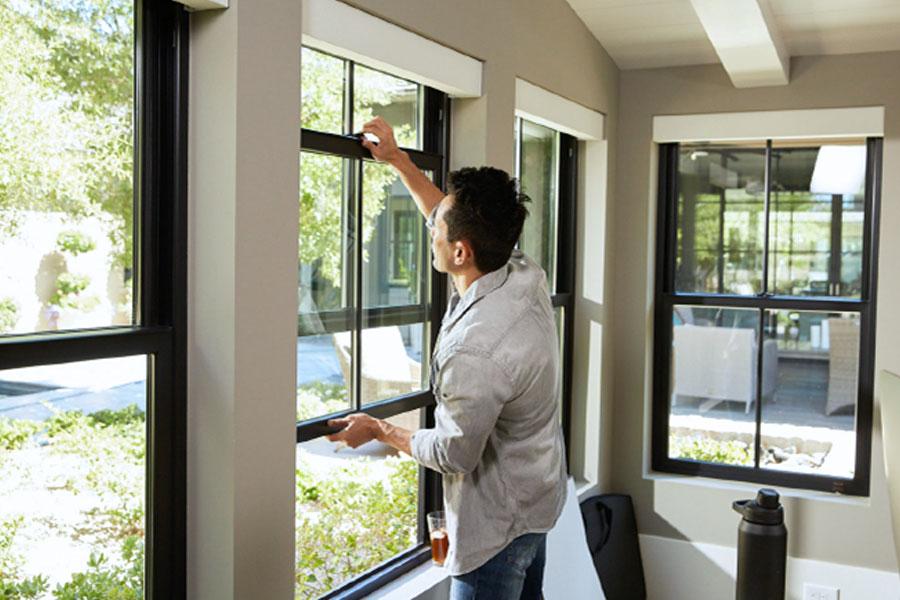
545, 43
854, 532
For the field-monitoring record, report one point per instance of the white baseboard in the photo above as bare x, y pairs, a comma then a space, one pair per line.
682, 570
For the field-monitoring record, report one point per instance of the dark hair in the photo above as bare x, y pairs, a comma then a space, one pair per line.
488, 212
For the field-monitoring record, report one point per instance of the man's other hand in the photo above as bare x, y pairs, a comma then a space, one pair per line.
358, 429
386, 150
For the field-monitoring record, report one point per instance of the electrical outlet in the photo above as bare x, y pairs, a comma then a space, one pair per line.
812, 591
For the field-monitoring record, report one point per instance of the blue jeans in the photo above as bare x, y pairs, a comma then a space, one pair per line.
515, 573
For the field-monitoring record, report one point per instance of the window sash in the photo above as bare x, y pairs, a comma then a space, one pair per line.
160, 295
667, 297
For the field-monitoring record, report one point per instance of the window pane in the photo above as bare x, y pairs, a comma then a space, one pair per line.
322, 91
816, 220
66, 165
394, 361
324, 373
325, 245
559, 315
809, 399
396, 269
72, 478
538, 175
713, 384
377, 94
721, 219
355, 510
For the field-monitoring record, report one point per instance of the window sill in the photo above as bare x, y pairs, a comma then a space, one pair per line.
752, 488
421, 580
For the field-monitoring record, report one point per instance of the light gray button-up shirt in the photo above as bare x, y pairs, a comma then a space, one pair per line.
497, 439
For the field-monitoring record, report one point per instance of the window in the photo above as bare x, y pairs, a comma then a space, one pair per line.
765, 311
546, 163
92, 299
368, 303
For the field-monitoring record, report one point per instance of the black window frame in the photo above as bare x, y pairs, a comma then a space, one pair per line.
563, 295
160, 294
433, 157
666, 297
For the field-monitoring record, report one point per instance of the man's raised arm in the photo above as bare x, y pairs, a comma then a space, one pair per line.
426, 194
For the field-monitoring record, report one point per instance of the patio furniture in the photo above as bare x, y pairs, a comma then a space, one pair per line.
843, 364
387, 370
719, 364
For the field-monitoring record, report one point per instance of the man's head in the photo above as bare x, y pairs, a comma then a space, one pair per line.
477, 224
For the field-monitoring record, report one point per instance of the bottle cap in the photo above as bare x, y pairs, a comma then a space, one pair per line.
765, 509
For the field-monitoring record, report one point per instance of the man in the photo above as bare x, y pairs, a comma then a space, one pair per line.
497, 439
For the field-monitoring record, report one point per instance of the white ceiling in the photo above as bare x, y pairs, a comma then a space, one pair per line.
662, 33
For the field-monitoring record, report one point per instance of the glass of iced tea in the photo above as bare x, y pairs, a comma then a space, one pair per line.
440, 542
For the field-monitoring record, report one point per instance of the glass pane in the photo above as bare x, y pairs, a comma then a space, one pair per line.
325, 245
377, 94
324, 373
538, 175
322, 91
394, 361
816, 222
355, 510
810, 381
721, 219
396, 270
559, 315
66, 166
72, 479
713, 384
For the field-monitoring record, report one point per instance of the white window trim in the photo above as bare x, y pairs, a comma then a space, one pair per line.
546, 108
773, 124
334, 27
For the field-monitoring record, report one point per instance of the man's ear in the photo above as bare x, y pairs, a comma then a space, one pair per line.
462, 252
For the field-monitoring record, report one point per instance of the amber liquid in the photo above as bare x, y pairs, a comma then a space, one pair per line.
440, 545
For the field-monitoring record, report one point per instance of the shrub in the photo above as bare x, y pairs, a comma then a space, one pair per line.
68, 289
74, 242
348, 524
9, 314
14, 433
732, 452
319, 398
106, 581
12, 586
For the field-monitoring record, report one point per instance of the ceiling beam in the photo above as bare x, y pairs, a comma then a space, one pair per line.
748, 43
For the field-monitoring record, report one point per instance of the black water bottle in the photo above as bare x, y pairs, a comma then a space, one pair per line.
762, 547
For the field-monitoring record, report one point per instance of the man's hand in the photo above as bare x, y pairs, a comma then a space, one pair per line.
358, 429
386, 150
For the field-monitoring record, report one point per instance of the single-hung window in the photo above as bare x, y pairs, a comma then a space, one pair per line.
369, 303
764, 316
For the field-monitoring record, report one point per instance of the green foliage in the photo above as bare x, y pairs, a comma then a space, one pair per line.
732, 452
74, 242
349, 522
9, 314
318, 398
14, 433
68, 290
66, 107
107, 581
12, 585
322, 177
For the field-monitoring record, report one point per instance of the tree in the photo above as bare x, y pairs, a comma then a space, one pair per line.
322, 180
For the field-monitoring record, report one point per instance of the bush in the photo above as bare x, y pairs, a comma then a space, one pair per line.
12, 586
68, 289
74, 242
348, 524
105, 581
319, 398
9, 314
732, 452
14, 433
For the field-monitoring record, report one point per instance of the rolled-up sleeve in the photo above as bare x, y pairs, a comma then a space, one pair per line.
473, 390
